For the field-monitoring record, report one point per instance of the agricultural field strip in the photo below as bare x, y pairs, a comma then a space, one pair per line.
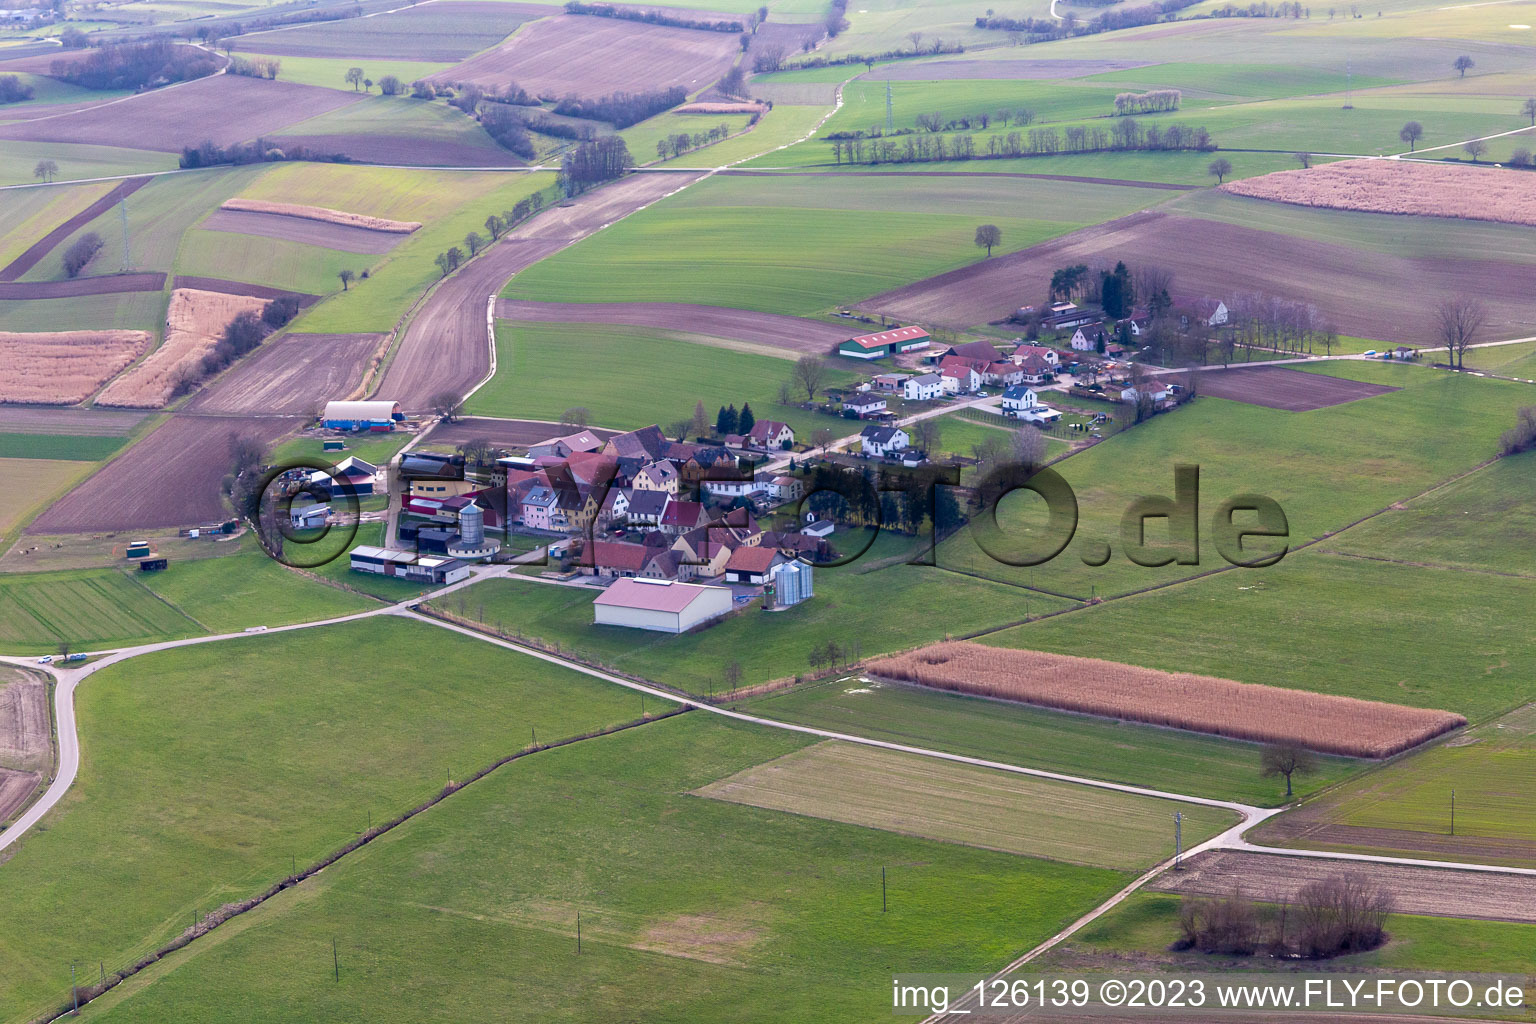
69, 757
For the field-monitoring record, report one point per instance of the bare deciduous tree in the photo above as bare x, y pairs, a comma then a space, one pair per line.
1220, 168
988, 235
1411, 133
574, 418
1458, 318
1285, 759
447, 404
1475, 148
811, 374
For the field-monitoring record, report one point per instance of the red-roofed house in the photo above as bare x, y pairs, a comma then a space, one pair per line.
611, 558
682, 516
771, 434
751, 565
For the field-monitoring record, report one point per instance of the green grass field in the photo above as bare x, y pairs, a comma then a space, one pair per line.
803, 245
643, 137
1484, 521
958, 803
330, 72
402, 116
786, 123
884, 610
1326, 468
211, 769
27, 214
67, 447
142, 311
1098, 748
77, 161
1424, 637
88, 608
691, 909
629, 377
247, 588
1144, 926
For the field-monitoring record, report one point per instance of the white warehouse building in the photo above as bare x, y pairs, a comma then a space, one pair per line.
662, 605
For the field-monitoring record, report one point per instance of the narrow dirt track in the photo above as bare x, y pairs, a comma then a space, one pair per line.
446, 348
37, 250
773, 329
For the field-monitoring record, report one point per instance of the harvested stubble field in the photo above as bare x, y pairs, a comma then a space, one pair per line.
322, 213
170, 478
1358, 289
1276, 387
1405, 187
291, 376
1179, 700
224, 109
1432, 891
193, 325
307, 232
79, 422
403, 149
25, 738
64, 367
432, 32
593, 56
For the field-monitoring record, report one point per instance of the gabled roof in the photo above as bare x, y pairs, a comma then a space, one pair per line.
752, 559
1017, 391
660, 471
880, 435
581, 441
1034, 365
614, 554
647, 442
982, 350
859, 401
653, 595
684, 514
956, 366
925, 380
763, 429
648, 503
895, 336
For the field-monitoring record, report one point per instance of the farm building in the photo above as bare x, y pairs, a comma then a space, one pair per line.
311, 517
661, 605
884, 343
352, 470
1151, 390
567, 445
888, 381
792, 583
751, 565
382, 415
407, 565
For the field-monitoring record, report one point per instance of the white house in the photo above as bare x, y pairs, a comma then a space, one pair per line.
1085, 339
959, 376
661, 605
1023, 403
771, 434
1213, 312
923, 389
781, 486
865, 406
1033, 370
1023, 352
1151, 389
883, 441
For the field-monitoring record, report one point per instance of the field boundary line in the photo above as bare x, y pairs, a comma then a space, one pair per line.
231, 911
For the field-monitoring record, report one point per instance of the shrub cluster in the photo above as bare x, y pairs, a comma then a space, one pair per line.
1124, 136
651, 17
1331, 916
256, 67
1522, 436
1147, 102
13, 90
593, 163
81, 252
136, 65
209, 154
622, 109
247, 330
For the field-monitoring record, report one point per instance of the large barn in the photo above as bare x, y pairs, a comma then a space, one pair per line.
662, 605
884, 343
381, 415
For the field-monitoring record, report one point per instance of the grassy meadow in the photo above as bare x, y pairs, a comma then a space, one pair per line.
1327, 468
1100, 748
85, 608
959, 803
212, 769
691, 909
804, 245
628, 377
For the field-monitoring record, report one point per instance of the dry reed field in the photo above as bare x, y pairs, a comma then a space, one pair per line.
63, 367
193, 323
714, 107
322, 213
1180, 700
1397, 186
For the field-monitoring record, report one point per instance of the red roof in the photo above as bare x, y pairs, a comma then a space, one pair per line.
753, 559
683, 513
892, 337
605, 554
653, 595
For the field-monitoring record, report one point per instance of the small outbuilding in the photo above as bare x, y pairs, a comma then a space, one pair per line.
665, 606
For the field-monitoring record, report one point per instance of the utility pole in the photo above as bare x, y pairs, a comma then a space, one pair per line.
1453, 812
890, 118
335, 961
578, 933
1178, 839
883, 904
1349, 81
73, 991
122, 213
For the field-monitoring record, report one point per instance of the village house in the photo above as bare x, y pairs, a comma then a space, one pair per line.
890, 382
657, 476
1086, 339
879, 442
682, 516
1023, 352
1002, 373
1024, 403
703, 552
978, 353
645, 508
609, 559
865, 407
771, 434
924, 388
1152, 390
540, 511
1034, 370
1211, 312
782, 487
958, 376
